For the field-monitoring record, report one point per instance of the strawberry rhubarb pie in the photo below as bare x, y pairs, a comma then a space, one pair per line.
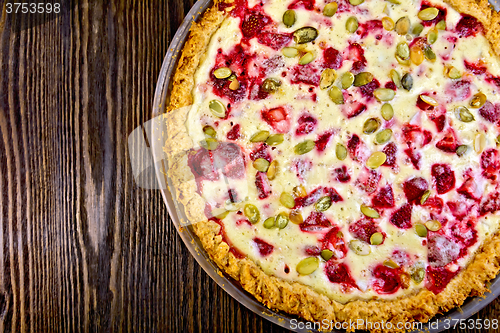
339, 159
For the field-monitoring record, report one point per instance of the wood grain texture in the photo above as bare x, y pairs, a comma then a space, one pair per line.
82, 248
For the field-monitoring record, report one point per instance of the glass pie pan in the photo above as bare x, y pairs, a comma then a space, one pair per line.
161, 99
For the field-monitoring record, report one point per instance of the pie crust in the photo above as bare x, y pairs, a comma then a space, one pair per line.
292, 297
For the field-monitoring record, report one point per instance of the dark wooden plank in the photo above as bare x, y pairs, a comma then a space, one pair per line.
82, 248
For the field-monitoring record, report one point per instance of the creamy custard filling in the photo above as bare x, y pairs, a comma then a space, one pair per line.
405, 262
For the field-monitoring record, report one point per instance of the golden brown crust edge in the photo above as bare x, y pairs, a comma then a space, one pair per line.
292, 297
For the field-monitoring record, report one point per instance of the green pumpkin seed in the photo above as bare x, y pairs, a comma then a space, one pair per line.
323, 204
252, 213
425, 196
463, 114
417, 29
396, 2
304, 147
260, 136
376, 239
429, 54
336, 95
395, 77
232, 77
341, 151
402, 61
222, 215
428, 100
296, 217
330, 9
290, 52
498, 139
269, 223
281, 221
261, 164
383, 136
275, 139
433, 225
209, 143
328, 76
307, 266
387, 111
347, 80
307, 58
421, 230
351, 24
270, 85
384, 94
462, 150
209, 130
356, 2
390, 263
299, 191
428, 14
287, 200
407, 81
441, 25
402, 25
403, 50
359, 247
432, 36
234, 85
362, 79
305, 35
222, 73
326, 254
478, 100
371, 125
388, 23
376, 159
454, 73
272, 171
369, 211
418, 273
289, 18
218, 109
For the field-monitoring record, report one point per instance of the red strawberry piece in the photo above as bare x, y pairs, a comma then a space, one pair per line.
493, 80
261, 151
315, 222
444, 177
391, 85
271, 65
465, 232
332, 193
468, 26
441, 15
414, 157
312, 250
277, 118
202, 166
341, 174
372, 26
441, 250
387, 280
384, 198
357, 149
301, 167
221, 89
274, 40
490, 204
440, 122
334, 241
414, 189
368, 180
262, 184
448, 143
458, 90
340, 273
243, 222
423, 105
401, 217
307, 74
427, 137
469, 189
368, 89
459, 209
415, 137
264, 248
306, 4
490, 112
229, 158
475, 68
253, 24
390, 151
364, 229
490, 163
306, 124
234, 132
401, 257
332, 58
322, 141
438, 278
435, 204
352, 108
356, 54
